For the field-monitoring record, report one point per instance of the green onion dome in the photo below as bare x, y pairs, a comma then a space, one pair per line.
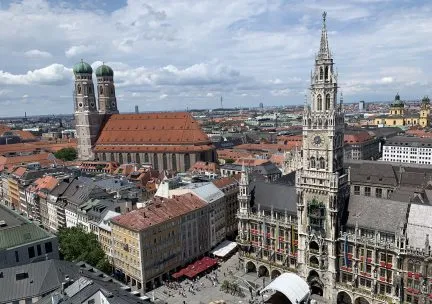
82, 68
104, 70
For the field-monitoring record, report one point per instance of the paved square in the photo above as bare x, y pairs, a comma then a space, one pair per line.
208, 288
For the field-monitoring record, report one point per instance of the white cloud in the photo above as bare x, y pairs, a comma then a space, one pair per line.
263, 48
54, 74
163, 96
25, 96
37, 54
387, 79
78, 50
210, 94
282, 92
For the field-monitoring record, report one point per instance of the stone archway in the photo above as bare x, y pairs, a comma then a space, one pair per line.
361, 300
263, 271
251, 267
275, 273
315, 283
343, 298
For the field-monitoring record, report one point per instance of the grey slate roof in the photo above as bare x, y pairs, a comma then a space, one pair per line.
87, 283
388, 173
408, 141
376, 213
280, 194
419, 225
43, 277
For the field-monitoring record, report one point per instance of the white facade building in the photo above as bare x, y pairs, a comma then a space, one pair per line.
412, 150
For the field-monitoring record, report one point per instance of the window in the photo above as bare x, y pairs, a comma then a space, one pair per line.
164, 161
319, 103
48, 247
321, 73
187, 161
378, 192
39, 250
31, 252
328, 102
326, 74
367, 191
322, 163
16, 256
357, 190
312, 162
92, 301
174, 161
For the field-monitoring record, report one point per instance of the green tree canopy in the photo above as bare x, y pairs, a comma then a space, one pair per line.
66, 154
78, 245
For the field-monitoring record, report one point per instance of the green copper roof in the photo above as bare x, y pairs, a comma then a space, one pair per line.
426, 100
104, 70
18, 230
82, 68
397, 102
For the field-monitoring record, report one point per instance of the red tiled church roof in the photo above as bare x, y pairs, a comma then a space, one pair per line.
178, 128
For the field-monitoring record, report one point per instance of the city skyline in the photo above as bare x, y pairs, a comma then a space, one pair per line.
176, 55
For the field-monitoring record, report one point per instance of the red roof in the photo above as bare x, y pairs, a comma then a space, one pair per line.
158, 211
173, 132
226, 181
357, 137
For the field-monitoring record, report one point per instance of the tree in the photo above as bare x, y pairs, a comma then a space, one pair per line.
78, 245
229, 161
66, 154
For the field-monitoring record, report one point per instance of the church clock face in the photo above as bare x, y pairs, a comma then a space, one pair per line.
317, 140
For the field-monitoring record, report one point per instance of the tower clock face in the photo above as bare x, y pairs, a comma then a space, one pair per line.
317, 140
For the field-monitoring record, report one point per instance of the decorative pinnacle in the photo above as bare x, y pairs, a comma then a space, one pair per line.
324, 51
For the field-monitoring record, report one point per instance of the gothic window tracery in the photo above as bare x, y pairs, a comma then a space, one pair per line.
101, 90
321, 73
316, 214
328, 102
312, 162
319, 102
321, 163
326, 72
79, 89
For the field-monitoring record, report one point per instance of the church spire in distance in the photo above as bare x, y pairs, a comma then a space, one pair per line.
324, 52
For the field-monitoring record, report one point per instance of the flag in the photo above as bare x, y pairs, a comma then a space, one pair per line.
292, 239
277, 236
346, 250
365, 256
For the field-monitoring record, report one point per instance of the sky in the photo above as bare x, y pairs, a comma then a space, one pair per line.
178, 54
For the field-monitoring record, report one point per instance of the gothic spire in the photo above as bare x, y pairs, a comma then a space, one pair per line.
324, 51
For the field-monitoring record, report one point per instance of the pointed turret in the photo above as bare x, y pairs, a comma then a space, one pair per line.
324, 51
244, 196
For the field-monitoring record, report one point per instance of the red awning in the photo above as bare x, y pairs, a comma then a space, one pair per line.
195, 268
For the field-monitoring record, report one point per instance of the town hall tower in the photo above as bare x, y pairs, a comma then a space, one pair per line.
321, 183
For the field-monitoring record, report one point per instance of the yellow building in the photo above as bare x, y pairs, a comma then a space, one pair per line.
150, 243
425, 112
399, 117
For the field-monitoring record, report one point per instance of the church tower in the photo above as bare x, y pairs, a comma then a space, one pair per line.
321, 183
107, 102
425, 112
87, 118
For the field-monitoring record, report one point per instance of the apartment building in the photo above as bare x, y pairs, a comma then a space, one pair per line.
404, 149
150, 243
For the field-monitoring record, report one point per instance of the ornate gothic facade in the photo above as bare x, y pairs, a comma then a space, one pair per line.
350, 248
